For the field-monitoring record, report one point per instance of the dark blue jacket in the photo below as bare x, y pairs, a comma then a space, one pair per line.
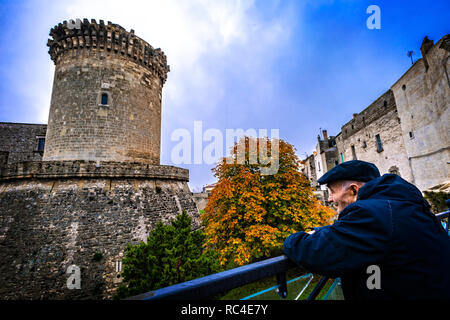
390, 225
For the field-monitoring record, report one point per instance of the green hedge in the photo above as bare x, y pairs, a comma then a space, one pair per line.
437, 200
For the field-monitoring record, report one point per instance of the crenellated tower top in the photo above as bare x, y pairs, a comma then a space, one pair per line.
110, 37
107, 94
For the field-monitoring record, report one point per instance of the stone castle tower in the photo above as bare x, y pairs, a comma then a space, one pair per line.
100, 185
106, 98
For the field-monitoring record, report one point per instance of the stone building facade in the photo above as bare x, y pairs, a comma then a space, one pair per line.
375, 135
308, 168
422, 96
66, 221
21, 142
323, 158
326, 155
201, 199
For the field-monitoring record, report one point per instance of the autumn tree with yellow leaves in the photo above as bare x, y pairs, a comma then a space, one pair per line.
250, 212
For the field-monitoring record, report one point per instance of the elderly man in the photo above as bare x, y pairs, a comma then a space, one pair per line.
385, 244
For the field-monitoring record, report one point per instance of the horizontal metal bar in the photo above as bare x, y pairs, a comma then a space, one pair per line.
443, 215
211, 285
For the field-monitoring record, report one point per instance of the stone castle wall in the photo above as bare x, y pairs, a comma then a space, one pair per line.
52, 221
96, 60
20, 142
100, 185
201, 199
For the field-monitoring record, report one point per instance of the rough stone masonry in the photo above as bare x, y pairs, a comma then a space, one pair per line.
100, 184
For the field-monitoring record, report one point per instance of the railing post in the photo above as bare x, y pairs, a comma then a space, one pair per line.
282, 285
317, 288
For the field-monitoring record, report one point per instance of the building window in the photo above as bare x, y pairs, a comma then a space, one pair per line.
379, 144
354, 153
3, 158
411, 135
41, 143
104, 100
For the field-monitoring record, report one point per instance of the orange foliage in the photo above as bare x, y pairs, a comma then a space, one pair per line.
249, 214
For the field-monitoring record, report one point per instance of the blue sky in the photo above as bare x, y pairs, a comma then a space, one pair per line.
296, 66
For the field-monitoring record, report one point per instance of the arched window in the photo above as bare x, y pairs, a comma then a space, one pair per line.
354, 153
104, 100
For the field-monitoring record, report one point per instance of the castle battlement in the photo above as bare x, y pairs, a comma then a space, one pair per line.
91, 169
110, 37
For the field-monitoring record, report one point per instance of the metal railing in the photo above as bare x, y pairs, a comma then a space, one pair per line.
212, 285
444, 215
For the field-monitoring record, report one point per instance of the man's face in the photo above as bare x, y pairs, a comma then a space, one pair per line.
343, 193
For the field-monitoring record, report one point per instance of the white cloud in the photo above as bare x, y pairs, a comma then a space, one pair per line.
193, 34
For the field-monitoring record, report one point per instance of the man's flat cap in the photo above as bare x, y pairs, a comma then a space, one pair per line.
354, 170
